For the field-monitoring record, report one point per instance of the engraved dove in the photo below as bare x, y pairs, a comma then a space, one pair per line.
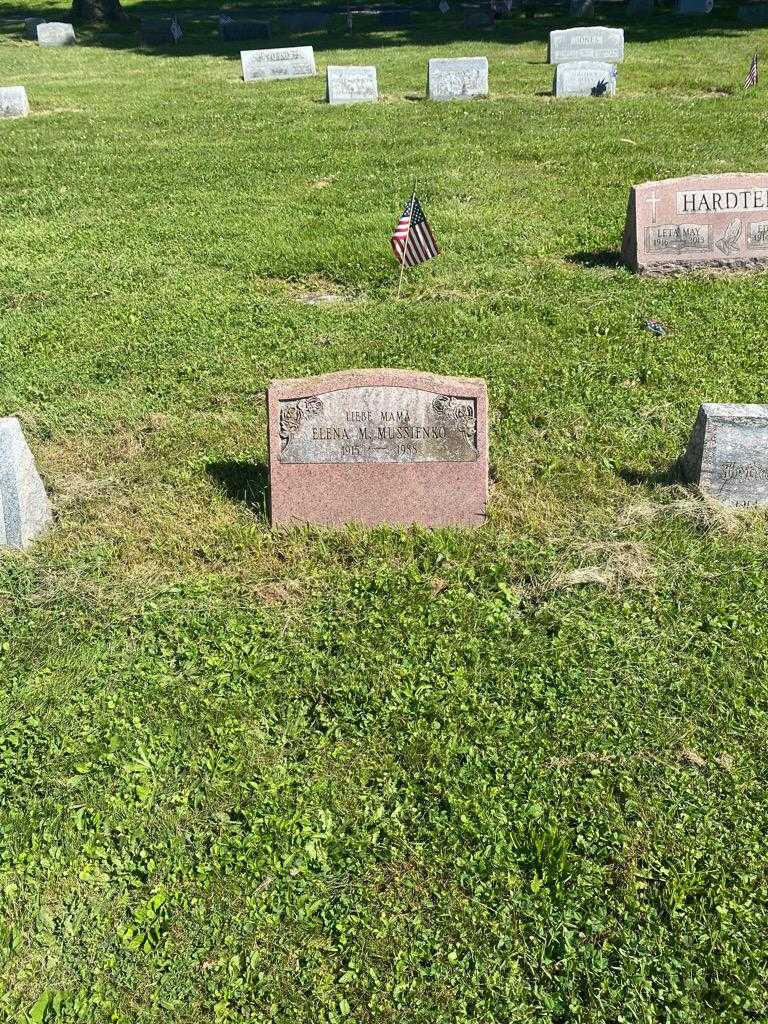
728, 244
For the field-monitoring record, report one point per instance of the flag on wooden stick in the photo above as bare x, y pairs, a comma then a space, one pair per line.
751, 80
413, 241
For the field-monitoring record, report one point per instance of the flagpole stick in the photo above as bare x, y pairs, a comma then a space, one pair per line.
405, 247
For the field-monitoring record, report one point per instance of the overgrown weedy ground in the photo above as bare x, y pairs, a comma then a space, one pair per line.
516, 775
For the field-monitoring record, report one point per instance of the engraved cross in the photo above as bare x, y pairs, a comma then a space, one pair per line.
653, 201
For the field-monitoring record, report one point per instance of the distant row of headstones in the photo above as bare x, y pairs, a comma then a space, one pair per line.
398, 447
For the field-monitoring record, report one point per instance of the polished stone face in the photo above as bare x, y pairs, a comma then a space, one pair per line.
714, 220
728, 454
13, 101
55, 33
378, 447
598, 43
585, 78
24, 509
457, 78
378, 424
279, 62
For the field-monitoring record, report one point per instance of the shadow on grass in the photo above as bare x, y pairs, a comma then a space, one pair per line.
598, 258
245, 483
672, 474
426, 27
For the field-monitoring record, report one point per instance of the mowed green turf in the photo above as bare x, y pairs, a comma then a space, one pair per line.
513, 775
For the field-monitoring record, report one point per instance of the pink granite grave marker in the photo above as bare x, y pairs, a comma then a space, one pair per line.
709, 220
378, 447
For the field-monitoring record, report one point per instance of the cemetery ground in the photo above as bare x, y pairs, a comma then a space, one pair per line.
509, 775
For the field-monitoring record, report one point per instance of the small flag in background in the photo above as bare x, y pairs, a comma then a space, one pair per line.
751, 80
413, 241
176, 32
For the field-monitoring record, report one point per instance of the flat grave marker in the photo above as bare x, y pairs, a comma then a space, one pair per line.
727, 456
595, 43
24, 509
13, 101
274, 64
708, 220
457, 78
351, 84
378, 447
55, 34
585, 78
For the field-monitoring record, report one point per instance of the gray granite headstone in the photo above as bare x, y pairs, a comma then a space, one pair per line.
350, 84
282, 62
55, 33
582, 8
238, 30
728, 453
30, 27
304, 21
585, 78
457, 78
688, 7
591, 43
24, 509
13, 101
640, 8
753, 14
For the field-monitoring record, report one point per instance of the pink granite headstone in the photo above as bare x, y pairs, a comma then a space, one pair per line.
708, 220
378, 447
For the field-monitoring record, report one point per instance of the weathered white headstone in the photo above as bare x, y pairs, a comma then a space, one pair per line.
351, 84
13, 101
55, 33
728, 453
585, 78
282, 62
457, 78
24, 508
596, 43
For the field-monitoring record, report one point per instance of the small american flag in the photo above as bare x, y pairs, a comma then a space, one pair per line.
176, 32
413, 241
751, 80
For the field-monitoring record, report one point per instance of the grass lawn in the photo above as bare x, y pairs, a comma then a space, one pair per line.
510, 776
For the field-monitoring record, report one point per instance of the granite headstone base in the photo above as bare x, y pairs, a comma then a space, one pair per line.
378, 447
706, 221
457, 78
24, 509
585, 78
351, 84
727, 456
